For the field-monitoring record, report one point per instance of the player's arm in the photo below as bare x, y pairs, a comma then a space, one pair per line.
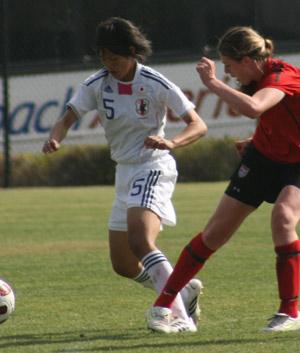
59, 131
250, 106
195, 128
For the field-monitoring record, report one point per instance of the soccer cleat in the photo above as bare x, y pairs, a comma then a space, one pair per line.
282, 323
159, 319
180, 325
194, 289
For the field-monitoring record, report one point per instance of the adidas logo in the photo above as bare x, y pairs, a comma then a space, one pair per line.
108, 89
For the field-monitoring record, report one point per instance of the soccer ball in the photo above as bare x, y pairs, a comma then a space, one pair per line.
7, 301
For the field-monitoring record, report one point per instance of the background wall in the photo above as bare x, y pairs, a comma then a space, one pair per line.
47, 49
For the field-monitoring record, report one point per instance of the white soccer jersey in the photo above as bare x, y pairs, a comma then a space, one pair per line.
130, 111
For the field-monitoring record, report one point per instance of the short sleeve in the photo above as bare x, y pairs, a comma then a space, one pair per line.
83, 101
177, 101
286, 80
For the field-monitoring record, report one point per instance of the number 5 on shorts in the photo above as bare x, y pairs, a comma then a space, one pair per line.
137, 187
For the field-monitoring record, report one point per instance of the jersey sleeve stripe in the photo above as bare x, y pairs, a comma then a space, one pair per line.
102, 74
157, 79
155, 74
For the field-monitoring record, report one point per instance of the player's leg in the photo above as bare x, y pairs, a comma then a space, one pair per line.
242, 196
149, 206
124, 262
285, 217
136, 185
143, 229
227, 218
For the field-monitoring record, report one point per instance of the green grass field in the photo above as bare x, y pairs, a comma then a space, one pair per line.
54, 252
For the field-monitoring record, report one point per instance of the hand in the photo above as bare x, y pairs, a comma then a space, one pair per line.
241, 145
158, 142
50, 146
207, 70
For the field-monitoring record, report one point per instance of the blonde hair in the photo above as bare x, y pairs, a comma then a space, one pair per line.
238, 42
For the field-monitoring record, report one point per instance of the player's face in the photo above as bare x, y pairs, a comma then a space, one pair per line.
121, 67
240, 69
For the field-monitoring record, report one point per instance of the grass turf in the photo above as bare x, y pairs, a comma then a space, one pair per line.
54, 252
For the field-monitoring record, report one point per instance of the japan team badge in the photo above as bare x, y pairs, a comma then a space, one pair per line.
142, 106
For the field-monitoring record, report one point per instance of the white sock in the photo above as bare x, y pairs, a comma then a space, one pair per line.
184, 294
144, 279
159, 270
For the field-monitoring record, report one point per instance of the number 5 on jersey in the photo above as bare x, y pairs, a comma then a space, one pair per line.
108, 105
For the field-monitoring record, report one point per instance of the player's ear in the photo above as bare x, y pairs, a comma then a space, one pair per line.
246, 60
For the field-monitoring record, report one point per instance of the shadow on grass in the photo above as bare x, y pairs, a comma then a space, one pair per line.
80, 335
66, 337
118, 343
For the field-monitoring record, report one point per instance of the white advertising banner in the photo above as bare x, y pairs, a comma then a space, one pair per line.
37, 101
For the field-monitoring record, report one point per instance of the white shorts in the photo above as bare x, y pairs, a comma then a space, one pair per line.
148, 185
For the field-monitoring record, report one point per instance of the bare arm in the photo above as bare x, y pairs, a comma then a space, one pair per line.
195, 128
251, 106
59, 131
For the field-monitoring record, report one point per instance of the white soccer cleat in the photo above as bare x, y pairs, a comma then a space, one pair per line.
282, 323
159, 319
179, 325
194, 288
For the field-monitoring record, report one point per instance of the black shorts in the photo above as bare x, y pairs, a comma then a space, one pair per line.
259, 179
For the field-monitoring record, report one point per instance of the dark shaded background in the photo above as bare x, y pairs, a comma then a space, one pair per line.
59, 34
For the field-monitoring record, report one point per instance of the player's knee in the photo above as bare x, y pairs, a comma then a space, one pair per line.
136, 247
140, 246
283, 218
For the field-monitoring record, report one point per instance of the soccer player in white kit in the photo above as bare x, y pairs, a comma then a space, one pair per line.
132, 100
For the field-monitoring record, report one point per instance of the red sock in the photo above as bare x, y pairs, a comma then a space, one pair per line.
191, 260
288, 277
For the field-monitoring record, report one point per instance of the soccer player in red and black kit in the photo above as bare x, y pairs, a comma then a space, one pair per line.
269, 170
